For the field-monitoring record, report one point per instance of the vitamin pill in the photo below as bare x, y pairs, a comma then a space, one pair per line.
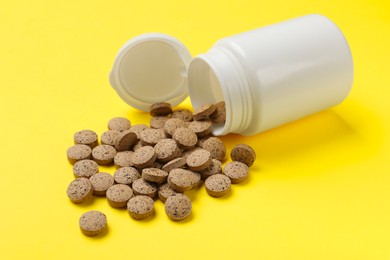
181, 180
85, 168
118, 195
126, 175
80, 190
199, 160
144, 157
172, 124
126, 140
158, 122
137, 129
236, 171
123, 159
217, 185
160, 109
214, 168
78, 152
201, 128
243, 153
110, 137
183, 114
174, 164
219, 115
152, 136
167, 150
216, 148
103, 154
101, 181
119, 123
154, 175
140, 207
143, 187
203, 112
164, 191
86, 137
137, 146
185, 138
178, 206
93, 223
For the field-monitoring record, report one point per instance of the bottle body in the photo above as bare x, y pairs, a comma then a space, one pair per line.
273, 75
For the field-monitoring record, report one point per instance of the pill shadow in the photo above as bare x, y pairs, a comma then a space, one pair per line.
102, 234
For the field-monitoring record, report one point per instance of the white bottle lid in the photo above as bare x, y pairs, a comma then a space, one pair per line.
151, 68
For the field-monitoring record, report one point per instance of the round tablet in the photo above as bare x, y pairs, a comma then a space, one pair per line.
185, 138
154, 175
183, 114
167, 150
78, 152
101, 181
152, 136
164, 191
126, 140
123, 159
201, 128
126, 175
203, 112
86, 137
175, 163
236, 171
199, 160
137, 146
85, 168
243, 153
103, 154
93, 223
80, 190
110, 137
144, 157
214, 168
216, 148
217, 185
172, 124
137, 129
118, 195
140, 207
143, 187
119, 123
158, 122
181, 180
160, 109
219, 115
178, 206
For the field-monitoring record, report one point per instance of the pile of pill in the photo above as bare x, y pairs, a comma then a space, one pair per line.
175, 154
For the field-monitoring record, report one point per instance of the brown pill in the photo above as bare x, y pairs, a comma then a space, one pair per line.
119, 123
167, 150
214, 168
137, 146
118, 195
140, 207
78, 152
219, 115
160, 109
110, 137
126, 140
156, 165
186, 153
80, 190
123, 159
126, 175
185, 138
85, 168
164, 191
158, 122
154, 175
101, 181
201, 140
183, 114
86, 137
172, 124
203, 112
181, 180
93, 223
143, 187
178, 206
199, 160
243, 153
218, 185
144, 157
174, 164
152, 136
103, 154
201, 128
137, 129
236, 171
216, 148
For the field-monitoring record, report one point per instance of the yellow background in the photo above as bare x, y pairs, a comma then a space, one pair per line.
318, 190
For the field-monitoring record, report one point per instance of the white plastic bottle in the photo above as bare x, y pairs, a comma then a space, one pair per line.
267, 77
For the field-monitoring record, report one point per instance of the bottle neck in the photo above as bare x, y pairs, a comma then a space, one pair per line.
219, 76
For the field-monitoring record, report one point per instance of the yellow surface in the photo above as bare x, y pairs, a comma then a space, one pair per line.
320, 186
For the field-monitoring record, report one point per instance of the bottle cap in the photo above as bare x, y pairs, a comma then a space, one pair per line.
151, 68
